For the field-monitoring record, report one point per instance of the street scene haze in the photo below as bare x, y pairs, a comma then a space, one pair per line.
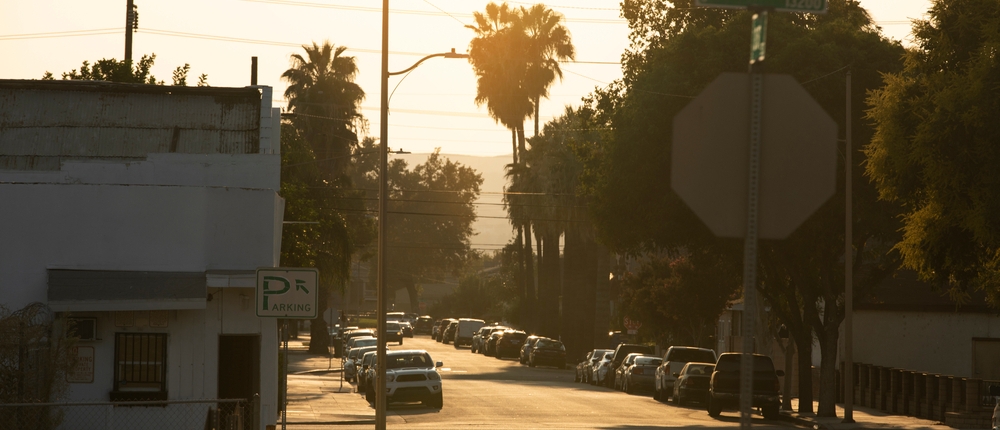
443, 214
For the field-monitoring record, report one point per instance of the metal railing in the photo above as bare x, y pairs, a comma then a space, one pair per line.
207, 414
985, 399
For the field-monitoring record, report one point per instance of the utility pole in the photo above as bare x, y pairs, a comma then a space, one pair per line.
131, 24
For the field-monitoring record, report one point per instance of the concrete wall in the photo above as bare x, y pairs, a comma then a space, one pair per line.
934, 342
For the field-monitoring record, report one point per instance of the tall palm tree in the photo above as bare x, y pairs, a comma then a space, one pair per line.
549, 42
322, 93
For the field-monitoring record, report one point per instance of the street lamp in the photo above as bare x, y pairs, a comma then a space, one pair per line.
383, 196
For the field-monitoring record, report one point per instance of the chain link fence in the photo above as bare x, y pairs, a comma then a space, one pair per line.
217, 414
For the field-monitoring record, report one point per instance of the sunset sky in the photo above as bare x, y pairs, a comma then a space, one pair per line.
432, 107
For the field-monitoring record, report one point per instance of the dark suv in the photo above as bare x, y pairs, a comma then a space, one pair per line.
724, 388
619, 355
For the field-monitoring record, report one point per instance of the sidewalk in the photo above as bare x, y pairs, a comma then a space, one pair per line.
316, 393
865, 418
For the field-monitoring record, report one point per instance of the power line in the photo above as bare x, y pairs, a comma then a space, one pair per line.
71, 33
440, 12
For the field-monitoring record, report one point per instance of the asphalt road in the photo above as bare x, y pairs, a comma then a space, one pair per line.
486, 393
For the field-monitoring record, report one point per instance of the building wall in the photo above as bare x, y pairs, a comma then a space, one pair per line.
117, 177
935, 342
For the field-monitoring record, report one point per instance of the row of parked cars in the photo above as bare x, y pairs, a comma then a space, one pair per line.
500, 341
411, 375
684, 374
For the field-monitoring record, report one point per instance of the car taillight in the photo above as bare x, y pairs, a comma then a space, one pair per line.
638, 371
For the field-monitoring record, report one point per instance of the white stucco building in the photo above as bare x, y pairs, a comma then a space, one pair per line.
143, 211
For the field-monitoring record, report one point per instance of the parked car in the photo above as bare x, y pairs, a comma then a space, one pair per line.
548, 351
449, 332
602, 370
673, 361
620, 370
692, 383
366, 363
423, 325
359, 342
581, 367
410, 376
618, 356
724, 387
350, 334
393, 332
353, 362
490, 345
484, 334
639, 376
442, 326
529, 343
406, 328
586, 367
509, 343
466, 328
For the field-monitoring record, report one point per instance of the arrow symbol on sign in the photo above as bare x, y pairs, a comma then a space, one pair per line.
300, 285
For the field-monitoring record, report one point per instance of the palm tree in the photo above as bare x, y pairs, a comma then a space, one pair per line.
549, 43
325, 99
515, 56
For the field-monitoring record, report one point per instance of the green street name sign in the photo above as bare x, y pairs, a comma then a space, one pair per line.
758, 37
287, 292
808, 6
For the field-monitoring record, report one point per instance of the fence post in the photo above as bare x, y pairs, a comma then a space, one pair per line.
944, 395
972, 387
931, 395
907, 394
919, 392
957, 391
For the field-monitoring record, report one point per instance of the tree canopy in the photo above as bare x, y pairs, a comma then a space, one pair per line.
112, 70
937, 143
429, 215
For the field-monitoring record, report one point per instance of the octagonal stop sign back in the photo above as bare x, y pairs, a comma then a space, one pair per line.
711, 147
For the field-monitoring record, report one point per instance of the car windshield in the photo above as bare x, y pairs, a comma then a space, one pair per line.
699, 369
409, 360
731, 363
549, 344
365, 342
689, 355
648, 361
392, 326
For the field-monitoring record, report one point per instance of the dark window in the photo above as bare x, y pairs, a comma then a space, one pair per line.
140, 366
689, 355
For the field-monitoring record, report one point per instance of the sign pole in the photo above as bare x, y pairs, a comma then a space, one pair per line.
284, 379
758, 36
848, 270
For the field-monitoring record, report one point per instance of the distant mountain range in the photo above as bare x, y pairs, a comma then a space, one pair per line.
493, 231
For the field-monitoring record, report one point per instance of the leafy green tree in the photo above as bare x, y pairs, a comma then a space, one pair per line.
429, 216
111, 70
325, 99
329, 223
935, 149
484, 291
678, 302
677, 49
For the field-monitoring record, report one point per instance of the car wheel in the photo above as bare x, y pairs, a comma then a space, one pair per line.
531, 363
714, 408
628, 388
656, 393
401, 341
678, 400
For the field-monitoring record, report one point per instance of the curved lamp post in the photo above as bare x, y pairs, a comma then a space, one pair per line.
383, 193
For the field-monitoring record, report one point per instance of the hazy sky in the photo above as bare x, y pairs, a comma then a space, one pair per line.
432, 107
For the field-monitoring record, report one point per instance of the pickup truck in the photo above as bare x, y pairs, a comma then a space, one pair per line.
724, 387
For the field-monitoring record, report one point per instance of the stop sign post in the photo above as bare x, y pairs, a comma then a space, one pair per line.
709, 155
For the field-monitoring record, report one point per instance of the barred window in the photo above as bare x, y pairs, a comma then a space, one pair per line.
140, 363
